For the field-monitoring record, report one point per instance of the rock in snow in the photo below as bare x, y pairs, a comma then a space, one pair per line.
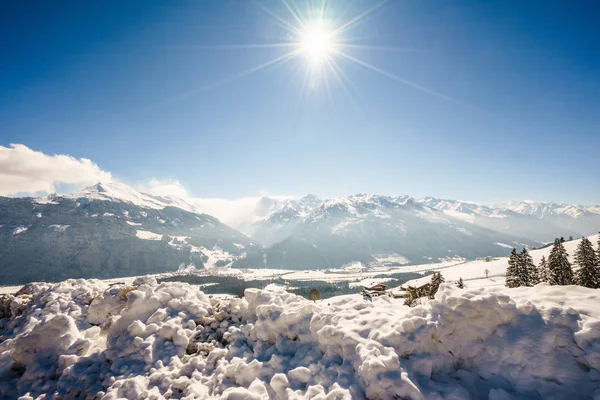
85, 339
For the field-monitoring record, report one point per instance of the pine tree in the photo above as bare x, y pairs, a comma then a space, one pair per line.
511, 272
535, 275
534, 271
543, 271
460, 284
588, 274
436, 280
559, 266
525, 266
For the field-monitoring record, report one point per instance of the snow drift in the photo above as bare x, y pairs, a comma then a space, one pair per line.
85, 339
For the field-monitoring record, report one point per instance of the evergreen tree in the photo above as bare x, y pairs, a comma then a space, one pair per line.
543, 271
535, 274
511, 272
436, 280
460, 284
588, 274
559, 266
562, 239
525, 267
410, 299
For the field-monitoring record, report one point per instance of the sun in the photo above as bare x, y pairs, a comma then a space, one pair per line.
317, 43
318, 38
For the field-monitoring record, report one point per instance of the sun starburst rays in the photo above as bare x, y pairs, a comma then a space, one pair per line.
318, 40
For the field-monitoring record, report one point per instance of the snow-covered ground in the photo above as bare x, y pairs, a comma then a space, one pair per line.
147, 235
353, 272
133, 338
473, 272
143, 340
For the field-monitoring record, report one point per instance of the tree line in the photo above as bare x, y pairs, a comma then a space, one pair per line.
557, 270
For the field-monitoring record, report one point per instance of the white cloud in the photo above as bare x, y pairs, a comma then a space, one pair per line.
237, 213
26, 171
234, 212
164, 187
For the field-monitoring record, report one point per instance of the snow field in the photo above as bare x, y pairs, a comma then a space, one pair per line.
86, 339
473, 272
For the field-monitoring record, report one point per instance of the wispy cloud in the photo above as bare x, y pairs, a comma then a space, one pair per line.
238, 213
24, 171
164, 187
27, 172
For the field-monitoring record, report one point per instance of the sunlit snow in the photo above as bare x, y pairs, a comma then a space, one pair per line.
147, 235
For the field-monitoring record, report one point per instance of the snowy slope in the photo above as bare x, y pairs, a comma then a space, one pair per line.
279, 218
473, 272
309, 233
119, 192
365, 227
534, 220
85, 339
108, 230
329, 233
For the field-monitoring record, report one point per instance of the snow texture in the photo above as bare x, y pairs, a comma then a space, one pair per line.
86, 339
147, 235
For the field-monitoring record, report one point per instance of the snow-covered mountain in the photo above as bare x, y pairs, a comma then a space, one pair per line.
536, 220
280, 217
309, 233
108, 230
118, 192
502, 210
366, 228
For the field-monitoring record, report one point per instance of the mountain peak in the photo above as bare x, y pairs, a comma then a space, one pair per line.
108, 187
116, 191
310, 200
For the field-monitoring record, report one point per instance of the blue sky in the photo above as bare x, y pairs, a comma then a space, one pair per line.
137, 88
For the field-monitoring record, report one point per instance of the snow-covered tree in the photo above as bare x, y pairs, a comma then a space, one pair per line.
436, 280
543, 271
525, 267
559, 266
511, 273
528, 265
588, 274
460, 284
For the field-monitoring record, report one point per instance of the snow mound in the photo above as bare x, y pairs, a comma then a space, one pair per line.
86, 339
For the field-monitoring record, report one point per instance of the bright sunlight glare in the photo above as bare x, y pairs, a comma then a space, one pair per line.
319, 37
317, 44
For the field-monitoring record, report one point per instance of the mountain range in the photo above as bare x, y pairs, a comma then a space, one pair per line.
110, 230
